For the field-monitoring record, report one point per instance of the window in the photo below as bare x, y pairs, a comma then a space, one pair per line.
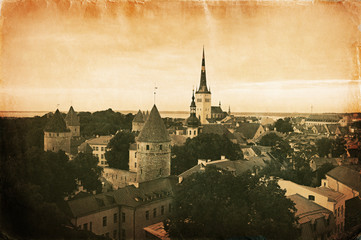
91, 226
199, 100
162, 210
57, 134
135, 164
147, 215
195, 132
123, 233
147, 147
104, 221
96, 148
115, 234
102, 156
102, 148
115, 217
135, 155
160, 147
123, 217
190, 132
85, 226
154, 212
170, 207
311, 197
160, 171
338, 211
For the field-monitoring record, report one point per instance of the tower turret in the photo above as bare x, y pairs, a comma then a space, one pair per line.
203, 96
153, 147
56, 135
192, 122
138, 122
72, 122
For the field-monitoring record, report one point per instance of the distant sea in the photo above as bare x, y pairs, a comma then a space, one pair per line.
171, 114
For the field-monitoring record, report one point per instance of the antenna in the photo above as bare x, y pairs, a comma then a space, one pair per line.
155, 91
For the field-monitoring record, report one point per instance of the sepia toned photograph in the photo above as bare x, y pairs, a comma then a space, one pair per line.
180, 119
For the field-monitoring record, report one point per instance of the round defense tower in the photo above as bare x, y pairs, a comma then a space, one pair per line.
56, 135
153, 148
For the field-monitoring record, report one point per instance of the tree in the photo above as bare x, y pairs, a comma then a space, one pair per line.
270, 139
338, 147
218, 205
281, 151
86, 169
324, 146
118, 155
204, 146
283, 125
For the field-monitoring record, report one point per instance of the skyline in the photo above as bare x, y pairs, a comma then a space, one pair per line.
259, 58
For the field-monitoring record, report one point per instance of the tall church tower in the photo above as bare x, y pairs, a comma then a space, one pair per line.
153, 149
192, 122
203, 96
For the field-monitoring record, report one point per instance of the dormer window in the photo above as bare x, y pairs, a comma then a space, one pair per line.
311, 197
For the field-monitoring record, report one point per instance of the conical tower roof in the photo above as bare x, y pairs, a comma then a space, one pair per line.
203, 83
154, 129
138, 117
56, 123
72, 118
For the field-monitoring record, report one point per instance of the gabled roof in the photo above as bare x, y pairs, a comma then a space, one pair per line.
217, 129
139, 117
347, 176
56, 123
332, 128
101, 140
85, 148
216, 109
131, 196
154, 129
248, 130
307, 210
72, 118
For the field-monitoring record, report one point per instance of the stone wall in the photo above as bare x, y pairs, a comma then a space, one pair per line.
57, 141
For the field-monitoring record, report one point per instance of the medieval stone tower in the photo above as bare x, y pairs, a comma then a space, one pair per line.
56, 135
153, 149
192, 122
73, 123
203, 97
138, 122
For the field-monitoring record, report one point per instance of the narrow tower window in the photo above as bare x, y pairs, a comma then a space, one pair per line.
161, 147
147, 147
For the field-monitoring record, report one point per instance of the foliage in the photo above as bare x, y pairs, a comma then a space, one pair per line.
33, 182
86, 169
118, 154
281, 151
284, 125
321, 172
104, 122
219, 205
325, 146
270, 139
204, 146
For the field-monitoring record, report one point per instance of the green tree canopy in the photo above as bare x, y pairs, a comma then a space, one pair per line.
86, 169
270, 139
204, 146
218, 205
284, 125
118, 154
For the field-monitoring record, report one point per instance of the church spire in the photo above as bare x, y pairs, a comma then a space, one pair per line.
203, 83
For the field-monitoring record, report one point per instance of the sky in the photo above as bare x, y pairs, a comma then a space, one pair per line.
261, 56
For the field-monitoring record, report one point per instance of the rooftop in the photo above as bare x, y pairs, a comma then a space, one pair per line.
139, 117
347, 176
308, 210
101, 140
154, 129
56, 123
72, 118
